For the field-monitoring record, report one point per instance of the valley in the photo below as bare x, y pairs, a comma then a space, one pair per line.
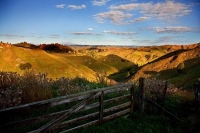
118, 63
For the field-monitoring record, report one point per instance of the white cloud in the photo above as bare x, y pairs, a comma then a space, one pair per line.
140, 19
99, 2
90, 29
171, 29
74, 7
125, 7
119, 33
81, 33
166, 11
115, 17
60, 6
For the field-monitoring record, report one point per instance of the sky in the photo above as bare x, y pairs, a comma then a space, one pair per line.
100, 22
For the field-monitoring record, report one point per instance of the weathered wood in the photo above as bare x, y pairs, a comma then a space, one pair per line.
110, 117
93, 115
115, 108
82, 126
59, 116
76, 120
107, 118
116, 99
132, 99
69, 100
116, 89
90, 106
47, 103
74, 109
101, 107
154, 103
141, 94
44, 117
56, 114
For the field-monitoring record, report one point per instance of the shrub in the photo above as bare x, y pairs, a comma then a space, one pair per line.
30, 87
25, 66
10, 93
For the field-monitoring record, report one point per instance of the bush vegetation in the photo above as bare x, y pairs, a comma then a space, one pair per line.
16, 89
19, 89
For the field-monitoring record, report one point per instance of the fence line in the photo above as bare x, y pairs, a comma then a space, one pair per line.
104, 108
143, 98
97, 100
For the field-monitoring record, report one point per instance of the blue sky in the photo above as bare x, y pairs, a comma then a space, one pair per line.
100, 22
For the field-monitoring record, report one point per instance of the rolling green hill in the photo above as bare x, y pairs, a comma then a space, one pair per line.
165, 67
92, 64
41, 61
119, 63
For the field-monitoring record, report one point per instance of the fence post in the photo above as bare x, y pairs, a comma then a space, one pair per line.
101, 106
141, 94
164, 93
196, 92
132, 100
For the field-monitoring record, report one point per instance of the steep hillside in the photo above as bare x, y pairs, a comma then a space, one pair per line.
91, 63
165, 67
119, 63
137, 55
116, 62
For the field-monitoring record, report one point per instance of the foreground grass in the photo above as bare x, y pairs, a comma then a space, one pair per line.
154, 121
138, 123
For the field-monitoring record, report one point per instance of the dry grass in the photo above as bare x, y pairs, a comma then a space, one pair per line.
154, 89
30, 87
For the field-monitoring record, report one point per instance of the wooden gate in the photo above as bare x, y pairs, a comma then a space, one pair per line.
70, 112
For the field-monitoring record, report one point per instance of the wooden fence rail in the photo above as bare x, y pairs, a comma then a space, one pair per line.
77, 111
143, 98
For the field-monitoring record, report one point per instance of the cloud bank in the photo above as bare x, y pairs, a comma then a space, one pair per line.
122, 14
171, 29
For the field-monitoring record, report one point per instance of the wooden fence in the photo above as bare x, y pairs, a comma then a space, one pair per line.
70, 112
79, 110
159, 90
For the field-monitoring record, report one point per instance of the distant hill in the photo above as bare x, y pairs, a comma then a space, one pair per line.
122, 64
58, 48
165, 67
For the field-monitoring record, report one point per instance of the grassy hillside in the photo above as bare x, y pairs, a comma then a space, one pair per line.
116, 62
91, 63
165, 67
41, 61
119, 63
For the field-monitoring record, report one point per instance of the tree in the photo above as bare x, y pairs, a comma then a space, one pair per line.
180, 68
25, 66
